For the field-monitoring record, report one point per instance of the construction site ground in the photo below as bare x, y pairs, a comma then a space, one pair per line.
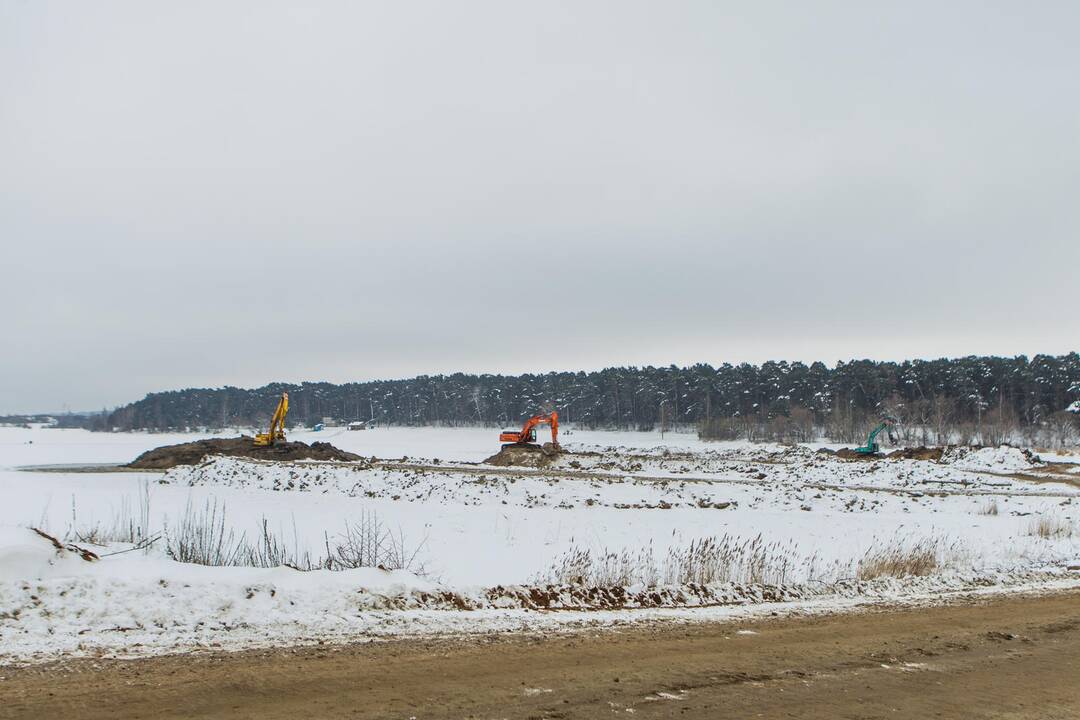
1006, 657
502, 568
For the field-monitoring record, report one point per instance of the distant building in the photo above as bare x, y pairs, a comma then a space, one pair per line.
358, 425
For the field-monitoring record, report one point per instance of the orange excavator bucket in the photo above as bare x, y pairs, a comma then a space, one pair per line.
527, 434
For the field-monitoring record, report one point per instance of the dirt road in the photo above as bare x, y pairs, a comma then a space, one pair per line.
1001, 658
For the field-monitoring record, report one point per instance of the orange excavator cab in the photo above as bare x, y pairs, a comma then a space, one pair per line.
527, 434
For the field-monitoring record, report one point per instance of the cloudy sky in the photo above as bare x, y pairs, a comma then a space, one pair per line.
211, 193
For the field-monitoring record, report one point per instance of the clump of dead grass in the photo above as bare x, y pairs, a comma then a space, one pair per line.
603, 568
728, 559
1049, 527
898, 560
714, 559
990, 507
731, 559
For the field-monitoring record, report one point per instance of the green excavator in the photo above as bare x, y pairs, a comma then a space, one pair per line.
871, 447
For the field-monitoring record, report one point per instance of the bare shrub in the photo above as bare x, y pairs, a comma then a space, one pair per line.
270, 551
129, 524
720, 429
1063, 429
1050, 526
91, 535
368, 543
845, 425
990, 507
400, 556
203, 537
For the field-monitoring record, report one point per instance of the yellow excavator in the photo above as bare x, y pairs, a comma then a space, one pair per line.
277, 425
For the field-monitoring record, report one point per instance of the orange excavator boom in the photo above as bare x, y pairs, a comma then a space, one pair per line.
528, 432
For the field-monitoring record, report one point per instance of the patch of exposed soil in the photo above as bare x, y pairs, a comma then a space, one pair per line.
917, 453
850, 454
193, 453
932, 454
525, 456
1048, 473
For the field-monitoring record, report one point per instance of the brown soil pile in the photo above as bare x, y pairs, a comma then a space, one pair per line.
917, 453
850, 454
525, 456
193, 453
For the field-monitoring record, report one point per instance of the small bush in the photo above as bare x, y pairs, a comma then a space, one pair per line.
202, 538
989, 508
368, 543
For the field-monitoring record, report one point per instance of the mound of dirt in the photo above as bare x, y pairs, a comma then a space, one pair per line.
193, 453
917, 453
525, 456
850, 454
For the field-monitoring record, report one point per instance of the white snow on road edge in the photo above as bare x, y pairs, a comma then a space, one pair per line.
137, 605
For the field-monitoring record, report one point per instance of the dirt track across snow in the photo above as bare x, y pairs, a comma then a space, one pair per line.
1008, 657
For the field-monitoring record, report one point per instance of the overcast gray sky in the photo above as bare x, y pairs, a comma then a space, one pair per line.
211, 193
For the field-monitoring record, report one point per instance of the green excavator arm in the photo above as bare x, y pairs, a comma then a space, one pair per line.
871, 447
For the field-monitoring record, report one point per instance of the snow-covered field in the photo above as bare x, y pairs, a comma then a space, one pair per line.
467, 528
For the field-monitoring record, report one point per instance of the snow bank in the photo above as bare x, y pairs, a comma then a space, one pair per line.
1000, 459
25, 555
53, 603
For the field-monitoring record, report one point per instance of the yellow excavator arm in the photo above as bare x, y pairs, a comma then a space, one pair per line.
277, 424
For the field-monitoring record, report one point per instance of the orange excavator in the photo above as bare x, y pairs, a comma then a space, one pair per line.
527, 435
